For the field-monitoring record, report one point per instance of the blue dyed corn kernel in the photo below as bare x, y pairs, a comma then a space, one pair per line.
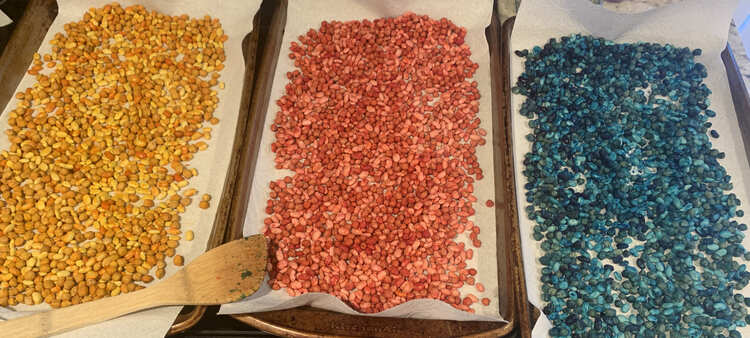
621, 170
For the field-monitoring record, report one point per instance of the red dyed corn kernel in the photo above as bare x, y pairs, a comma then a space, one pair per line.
490, 203
486, 301
480, 287
379, 126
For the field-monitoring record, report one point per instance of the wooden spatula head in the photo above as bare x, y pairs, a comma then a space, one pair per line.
224, 274
227, 273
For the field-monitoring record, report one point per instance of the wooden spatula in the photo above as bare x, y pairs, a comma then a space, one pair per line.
225, 274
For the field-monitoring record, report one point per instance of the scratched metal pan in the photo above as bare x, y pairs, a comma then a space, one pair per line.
16, 58
310, 322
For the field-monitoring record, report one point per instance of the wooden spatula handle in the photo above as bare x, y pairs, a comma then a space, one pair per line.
219, 276
60, 320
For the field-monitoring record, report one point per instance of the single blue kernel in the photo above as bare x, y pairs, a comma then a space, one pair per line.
714, 134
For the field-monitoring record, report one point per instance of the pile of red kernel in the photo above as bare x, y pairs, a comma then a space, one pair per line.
379, 124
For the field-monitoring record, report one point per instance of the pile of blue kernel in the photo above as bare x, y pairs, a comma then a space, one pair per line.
633, 211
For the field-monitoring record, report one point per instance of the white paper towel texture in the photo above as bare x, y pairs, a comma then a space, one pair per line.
4, 19
236, 18
691, 23
303, 15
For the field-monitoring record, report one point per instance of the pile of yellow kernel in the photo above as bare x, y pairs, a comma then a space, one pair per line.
92, 185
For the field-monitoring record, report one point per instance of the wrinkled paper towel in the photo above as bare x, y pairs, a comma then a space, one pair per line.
236, 17
303, 15
692, 23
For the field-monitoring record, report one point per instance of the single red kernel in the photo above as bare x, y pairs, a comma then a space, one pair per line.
480, 287
485, 301
490, 203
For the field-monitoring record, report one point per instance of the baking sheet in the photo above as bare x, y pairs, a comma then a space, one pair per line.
302, 15
691, 23
236, 17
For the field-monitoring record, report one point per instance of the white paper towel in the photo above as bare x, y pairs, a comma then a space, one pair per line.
4, 19
236, 17
303, 15
692, 23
